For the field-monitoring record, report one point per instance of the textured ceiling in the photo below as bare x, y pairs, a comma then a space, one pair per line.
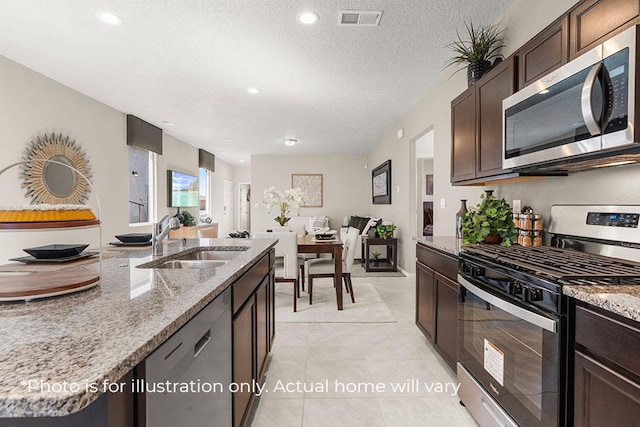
336, 89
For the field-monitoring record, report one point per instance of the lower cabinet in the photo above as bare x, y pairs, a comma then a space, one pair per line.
253, 334
606, 369
437, 300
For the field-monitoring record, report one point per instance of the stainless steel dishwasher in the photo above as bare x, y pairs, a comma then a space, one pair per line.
197, 357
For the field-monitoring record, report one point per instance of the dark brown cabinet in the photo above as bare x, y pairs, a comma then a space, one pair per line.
243, 360
253, 332
606, 369
425, 301
476, 125
594, 21
447, 318
437, 300
544, 53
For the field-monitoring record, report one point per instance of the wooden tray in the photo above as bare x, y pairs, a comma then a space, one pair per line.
42, 285
46, 224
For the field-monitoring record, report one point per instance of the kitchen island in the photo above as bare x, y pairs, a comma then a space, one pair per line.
58, 355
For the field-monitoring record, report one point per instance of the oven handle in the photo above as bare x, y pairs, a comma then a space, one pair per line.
526, 315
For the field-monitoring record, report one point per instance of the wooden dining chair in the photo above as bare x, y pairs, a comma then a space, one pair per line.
286, 259
325, 267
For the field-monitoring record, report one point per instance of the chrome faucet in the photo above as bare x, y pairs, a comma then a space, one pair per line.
160, 231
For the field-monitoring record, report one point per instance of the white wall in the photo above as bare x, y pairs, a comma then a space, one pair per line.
223, 171
523, 20
346, 185
31, 105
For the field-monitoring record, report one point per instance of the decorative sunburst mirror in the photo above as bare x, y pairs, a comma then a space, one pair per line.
56, 171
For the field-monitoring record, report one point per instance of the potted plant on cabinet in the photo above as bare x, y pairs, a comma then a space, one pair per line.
478, 51
491, 221
385, 231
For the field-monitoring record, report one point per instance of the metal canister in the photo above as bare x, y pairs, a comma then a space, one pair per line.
538, 223
536, 239
526, 221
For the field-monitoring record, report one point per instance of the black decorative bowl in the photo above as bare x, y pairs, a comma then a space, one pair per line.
55, 251
134, 237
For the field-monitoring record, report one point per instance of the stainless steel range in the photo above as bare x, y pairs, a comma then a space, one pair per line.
513, 331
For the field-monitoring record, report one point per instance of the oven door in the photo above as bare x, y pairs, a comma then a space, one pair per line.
513, 352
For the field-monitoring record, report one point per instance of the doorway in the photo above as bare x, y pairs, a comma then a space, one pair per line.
227, 205
424, 184
245, 206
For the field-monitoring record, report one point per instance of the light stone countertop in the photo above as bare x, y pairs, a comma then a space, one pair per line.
102, 333
623, 300
446, 244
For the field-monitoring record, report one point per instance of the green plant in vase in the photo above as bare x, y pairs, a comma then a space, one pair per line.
375, 257
385, 231
491, 221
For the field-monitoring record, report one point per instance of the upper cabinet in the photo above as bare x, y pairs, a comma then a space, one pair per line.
476, 120
476, 115
594, 21
544, 53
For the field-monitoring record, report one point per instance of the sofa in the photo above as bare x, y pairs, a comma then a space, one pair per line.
366, 225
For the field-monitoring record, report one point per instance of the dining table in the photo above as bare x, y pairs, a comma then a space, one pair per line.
309, 244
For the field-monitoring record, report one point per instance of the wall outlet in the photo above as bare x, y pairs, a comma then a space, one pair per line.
516, 206
443, 204
400, 133
397, 188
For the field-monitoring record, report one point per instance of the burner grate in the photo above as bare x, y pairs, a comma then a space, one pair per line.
562, 265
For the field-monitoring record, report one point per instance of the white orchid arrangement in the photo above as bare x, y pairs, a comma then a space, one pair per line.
285, 201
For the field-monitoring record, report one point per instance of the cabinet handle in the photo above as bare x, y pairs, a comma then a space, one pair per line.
202, 343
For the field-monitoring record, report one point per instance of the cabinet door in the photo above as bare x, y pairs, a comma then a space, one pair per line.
244, 370
544, 53
463, 136
262, 326
492, 89
447, 319
594, 21
272, 308
426, 301
603, 397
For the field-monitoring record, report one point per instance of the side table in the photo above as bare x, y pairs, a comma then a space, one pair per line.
390, 263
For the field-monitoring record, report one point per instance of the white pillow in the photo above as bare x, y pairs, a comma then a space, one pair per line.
372, 223
318, 224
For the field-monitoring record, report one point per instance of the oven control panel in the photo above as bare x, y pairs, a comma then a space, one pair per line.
613, 219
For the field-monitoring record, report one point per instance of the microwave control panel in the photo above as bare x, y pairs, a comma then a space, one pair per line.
613, 219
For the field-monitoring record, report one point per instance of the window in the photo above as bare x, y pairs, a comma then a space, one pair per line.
141, 173
204, 191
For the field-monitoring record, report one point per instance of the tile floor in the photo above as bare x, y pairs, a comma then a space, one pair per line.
340, 363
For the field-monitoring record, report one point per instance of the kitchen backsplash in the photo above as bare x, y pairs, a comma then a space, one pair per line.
618, 185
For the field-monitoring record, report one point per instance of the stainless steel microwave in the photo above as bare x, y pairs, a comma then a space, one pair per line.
580, 116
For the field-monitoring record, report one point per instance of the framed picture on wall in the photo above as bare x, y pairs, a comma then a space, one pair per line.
429, 185
311, 185
381, 184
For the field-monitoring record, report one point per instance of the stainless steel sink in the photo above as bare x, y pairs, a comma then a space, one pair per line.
200, 258
208, 255
187, 263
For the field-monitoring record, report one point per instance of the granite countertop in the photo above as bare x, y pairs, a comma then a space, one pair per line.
53, 350
447, 244
623, 300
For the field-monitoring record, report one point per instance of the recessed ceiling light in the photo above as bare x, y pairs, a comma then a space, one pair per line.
253, 90
168, 123
308, 18
543, 91
241, 160
290, 142
109, 18
227, 140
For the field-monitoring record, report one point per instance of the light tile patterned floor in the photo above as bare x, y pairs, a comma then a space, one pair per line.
331, 360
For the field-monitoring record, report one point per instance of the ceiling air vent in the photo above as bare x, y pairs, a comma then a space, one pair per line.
360, 18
